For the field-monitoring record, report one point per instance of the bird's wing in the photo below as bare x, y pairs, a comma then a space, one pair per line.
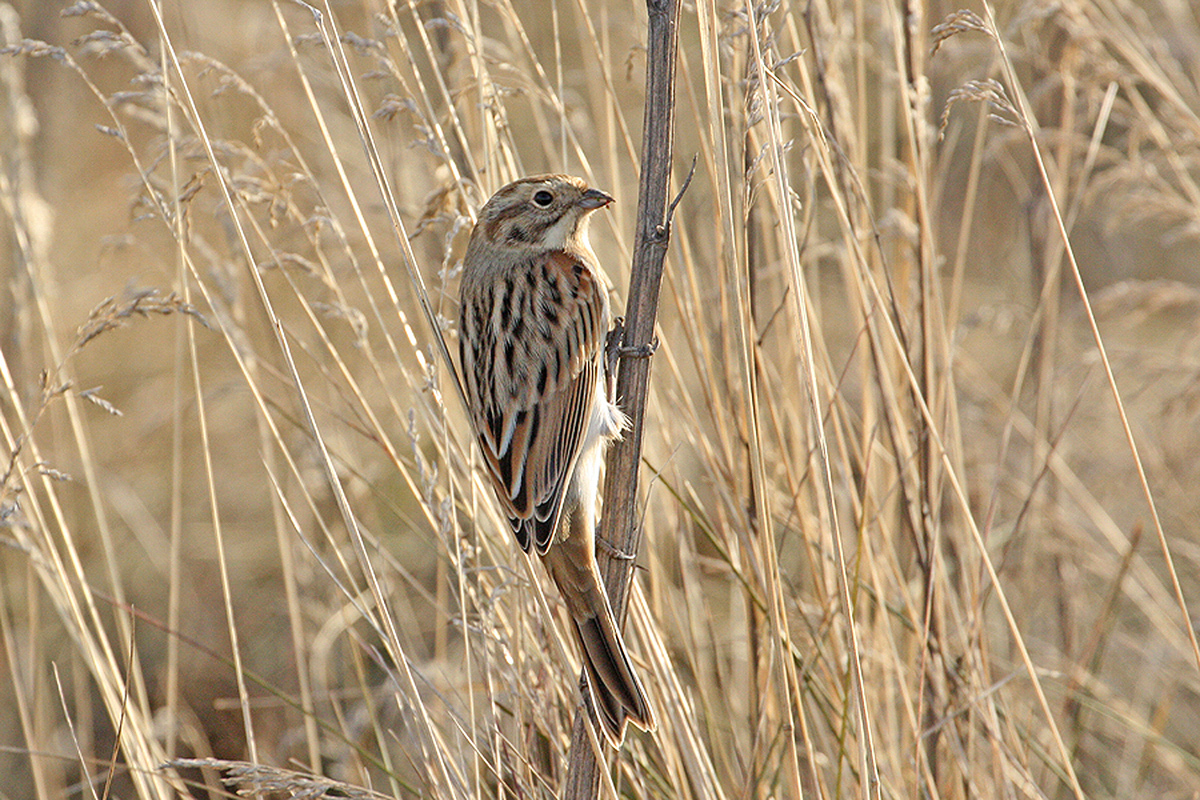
530, 349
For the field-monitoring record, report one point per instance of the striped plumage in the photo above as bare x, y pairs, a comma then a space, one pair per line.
533, 319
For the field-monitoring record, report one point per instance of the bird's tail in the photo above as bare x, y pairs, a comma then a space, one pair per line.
614, 690
615, 693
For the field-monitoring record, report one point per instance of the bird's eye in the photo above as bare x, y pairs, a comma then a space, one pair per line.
543, 198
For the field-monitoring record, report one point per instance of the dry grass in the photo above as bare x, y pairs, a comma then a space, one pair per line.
919, 479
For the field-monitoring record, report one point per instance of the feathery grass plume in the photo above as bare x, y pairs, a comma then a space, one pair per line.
901, 539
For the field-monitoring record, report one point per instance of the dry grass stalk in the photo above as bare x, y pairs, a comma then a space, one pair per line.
897, 468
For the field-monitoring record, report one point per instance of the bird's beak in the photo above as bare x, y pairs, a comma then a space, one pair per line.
594, 198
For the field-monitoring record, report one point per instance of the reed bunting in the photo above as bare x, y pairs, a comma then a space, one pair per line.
533, 321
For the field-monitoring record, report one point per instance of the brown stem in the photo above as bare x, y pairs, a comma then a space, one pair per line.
619, 525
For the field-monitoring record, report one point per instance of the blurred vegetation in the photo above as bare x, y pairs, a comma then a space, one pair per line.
900, 541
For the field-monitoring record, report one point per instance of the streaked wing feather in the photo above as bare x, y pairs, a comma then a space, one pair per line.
531, 407
549, 466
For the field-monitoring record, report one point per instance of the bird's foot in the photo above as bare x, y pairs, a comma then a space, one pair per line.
613, 552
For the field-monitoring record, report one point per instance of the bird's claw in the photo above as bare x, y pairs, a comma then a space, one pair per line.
638, 350
615, 349
613, 552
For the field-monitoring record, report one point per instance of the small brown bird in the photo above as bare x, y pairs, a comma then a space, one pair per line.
533, 321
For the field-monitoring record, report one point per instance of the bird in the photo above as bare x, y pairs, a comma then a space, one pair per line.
533, 323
